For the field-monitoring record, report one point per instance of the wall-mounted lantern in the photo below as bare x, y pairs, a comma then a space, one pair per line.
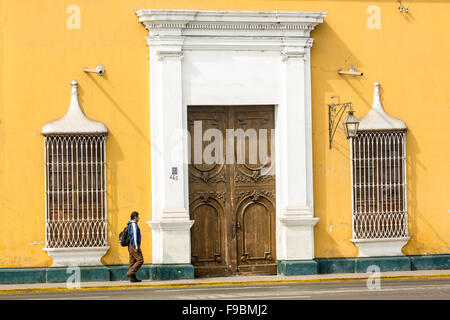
351, 124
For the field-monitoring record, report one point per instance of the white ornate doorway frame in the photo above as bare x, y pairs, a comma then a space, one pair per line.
230, 58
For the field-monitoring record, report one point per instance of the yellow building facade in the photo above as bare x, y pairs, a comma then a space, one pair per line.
46, 44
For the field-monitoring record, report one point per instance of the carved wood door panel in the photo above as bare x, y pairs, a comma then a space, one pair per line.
208, 196
232, 195
253, 188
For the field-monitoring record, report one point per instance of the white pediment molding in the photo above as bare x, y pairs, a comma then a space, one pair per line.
229, 30
225, 20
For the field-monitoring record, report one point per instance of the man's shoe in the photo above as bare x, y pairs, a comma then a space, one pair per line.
129, 276
134, 279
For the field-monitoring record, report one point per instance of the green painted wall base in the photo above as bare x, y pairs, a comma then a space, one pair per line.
95, 273
384, 263
361, 265
336, 265
186, 271
154, 272
430, 262
63, 274
119, 272
53, 274
23, 275
171, 271
296, 267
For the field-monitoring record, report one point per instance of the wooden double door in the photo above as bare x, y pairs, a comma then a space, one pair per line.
232, 190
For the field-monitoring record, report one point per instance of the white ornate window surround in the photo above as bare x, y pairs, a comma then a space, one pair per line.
75, 188
230, 58
378, 166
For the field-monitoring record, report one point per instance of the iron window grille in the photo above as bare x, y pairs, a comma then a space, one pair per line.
379, 207
75, 191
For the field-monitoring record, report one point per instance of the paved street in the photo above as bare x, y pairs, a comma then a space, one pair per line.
436, 289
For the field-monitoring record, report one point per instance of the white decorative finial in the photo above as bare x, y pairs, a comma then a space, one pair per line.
74, 85
74, 122
376, 84
377, 118
74, 104
376, 96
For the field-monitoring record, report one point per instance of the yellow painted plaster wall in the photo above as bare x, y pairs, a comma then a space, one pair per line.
40, 56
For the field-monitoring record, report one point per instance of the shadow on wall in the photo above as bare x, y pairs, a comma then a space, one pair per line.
321, 77
416, 219
326, 160
111, 165
114, 225
328, 168
117, 106
113, 147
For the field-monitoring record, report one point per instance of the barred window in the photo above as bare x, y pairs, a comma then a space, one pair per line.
379, 185
75, 191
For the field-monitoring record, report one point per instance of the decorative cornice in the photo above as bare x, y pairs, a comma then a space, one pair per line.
179, 30
282, 21
227, 26
254, 17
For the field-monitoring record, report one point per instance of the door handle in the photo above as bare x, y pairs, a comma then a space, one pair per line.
236, 228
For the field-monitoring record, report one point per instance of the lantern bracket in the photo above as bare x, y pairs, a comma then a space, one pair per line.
336, 111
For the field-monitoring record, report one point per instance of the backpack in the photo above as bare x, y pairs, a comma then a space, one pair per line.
124, 238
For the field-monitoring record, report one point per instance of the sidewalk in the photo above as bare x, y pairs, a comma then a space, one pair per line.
238, 280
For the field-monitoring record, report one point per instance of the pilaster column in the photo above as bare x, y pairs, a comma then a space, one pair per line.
170, 222
295, 210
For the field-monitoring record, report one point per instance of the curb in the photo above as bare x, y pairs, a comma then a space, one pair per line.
205, 284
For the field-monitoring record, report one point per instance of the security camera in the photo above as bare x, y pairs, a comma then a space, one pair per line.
100, 70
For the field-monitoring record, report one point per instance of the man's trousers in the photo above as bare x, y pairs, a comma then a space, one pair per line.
136, 260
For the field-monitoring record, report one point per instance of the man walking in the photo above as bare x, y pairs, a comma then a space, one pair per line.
134, 248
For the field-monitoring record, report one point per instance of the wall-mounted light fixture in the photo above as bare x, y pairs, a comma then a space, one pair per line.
351, 123
100, 70
351, 71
